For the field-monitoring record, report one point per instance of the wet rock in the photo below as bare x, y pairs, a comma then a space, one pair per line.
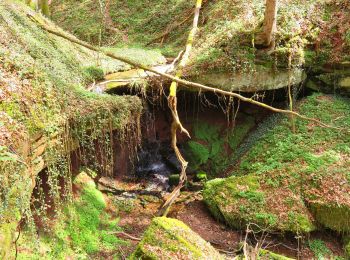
238, 201
173, 162
168, 238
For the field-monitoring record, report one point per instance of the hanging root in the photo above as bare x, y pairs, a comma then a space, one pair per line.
183, 177
177, 125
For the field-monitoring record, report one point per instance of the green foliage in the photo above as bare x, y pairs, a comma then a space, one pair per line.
201, 176
239, 132
332, 215
140, 55
94, 74
5, 155
319, 248
84, 229
197, 153
266, 254
273, 151
208, 150
291, 163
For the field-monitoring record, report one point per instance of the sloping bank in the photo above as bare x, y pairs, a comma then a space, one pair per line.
45, 112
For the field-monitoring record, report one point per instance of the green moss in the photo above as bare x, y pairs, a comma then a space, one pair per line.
94, 74
347, 247
85, 228
239, 132
46, 77
197, 153
299, 222
174, 179
201, 176
6, 239
240, 200
170, 238
266, 254
319, 248
332, 215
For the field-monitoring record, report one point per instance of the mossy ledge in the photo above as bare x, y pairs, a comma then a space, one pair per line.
168, 238
46, 111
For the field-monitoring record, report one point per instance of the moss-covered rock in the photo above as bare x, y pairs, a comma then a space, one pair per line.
238, 201
262, 78
6, 239
168, 238
347, 246
264, 254
331, 215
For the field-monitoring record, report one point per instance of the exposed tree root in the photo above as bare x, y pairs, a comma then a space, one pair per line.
177, 125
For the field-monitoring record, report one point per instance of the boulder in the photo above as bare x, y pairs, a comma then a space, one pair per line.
168, 238
239, 201
262, 78
332, 215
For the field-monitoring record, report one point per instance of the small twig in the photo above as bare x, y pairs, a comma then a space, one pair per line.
125, 234
226, 252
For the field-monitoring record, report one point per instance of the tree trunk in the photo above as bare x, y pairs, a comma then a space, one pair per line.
270, 22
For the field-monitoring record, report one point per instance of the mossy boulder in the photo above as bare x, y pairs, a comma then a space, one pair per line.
331, 215
238, 201
168, 238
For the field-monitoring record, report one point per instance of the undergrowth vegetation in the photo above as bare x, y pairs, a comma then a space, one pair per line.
226, 41
212, 147
84, 229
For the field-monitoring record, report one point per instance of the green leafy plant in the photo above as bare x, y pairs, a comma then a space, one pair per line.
319, 248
